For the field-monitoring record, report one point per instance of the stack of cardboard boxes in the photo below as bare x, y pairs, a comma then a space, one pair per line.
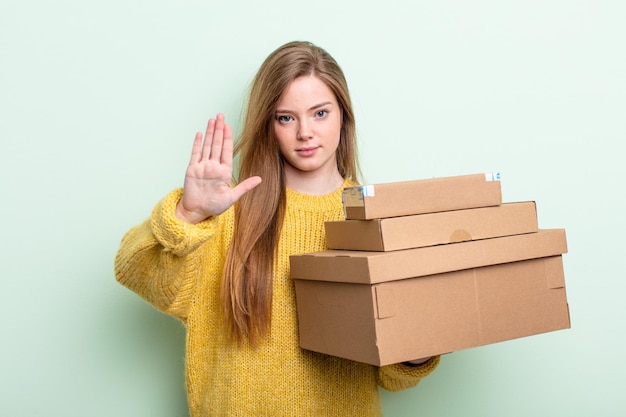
427, 267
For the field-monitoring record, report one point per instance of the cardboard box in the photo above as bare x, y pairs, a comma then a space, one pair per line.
422, 196
397, 321
366, 267
433, 228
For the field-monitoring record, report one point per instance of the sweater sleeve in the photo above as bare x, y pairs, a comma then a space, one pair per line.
400, 376
157, 259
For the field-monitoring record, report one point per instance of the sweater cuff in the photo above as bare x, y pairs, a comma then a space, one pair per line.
401, 376
176, 235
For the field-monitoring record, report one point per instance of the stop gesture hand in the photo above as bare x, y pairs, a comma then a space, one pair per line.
207, 188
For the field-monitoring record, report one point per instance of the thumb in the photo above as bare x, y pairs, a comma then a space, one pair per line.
245, 186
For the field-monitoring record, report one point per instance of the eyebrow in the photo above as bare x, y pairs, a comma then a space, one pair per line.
317, 106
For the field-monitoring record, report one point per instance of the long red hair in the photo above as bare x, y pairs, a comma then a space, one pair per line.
246, 290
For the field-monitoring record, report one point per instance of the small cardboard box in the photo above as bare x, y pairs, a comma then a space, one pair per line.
397, 321
365, 267
431, 229
433, 195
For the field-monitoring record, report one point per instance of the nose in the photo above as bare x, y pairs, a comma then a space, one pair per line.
304, 130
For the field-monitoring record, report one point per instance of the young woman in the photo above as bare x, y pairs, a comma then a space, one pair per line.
216, 256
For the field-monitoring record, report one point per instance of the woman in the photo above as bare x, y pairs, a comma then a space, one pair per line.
216, 256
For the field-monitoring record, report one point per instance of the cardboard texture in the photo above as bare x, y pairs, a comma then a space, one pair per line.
431, 229
396, 321
366, 267
421, 196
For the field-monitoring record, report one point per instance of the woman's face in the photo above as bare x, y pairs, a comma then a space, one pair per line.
307, 124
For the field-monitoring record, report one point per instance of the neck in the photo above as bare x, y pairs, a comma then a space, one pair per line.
312, 183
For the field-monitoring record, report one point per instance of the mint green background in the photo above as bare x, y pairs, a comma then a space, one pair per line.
99, 103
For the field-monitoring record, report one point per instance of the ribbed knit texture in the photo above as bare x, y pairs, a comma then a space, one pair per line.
177, 267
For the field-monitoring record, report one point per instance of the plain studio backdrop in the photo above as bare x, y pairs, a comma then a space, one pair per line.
99, 104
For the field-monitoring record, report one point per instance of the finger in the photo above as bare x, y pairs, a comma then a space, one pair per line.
196, 150
218, 139
245, 186
227, 146
208, 138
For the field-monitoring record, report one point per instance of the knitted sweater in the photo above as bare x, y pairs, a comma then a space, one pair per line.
177, 268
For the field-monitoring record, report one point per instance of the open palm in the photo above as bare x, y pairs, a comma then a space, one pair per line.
207, 188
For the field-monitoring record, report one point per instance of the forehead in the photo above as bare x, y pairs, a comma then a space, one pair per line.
306, 91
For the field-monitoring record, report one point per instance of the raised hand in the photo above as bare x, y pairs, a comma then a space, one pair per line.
207, 188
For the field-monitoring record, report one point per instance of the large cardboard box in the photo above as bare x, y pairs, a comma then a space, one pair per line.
431, 229
376, 201
397, 321
389, 307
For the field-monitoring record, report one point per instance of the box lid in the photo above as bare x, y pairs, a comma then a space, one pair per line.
373, 267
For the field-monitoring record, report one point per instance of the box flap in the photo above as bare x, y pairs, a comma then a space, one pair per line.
554, 273
385, 301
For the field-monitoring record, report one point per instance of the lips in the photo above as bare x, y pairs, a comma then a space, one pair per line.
308, 151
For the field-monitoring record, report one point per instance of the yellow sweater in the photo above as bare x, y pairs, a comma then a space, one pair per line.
177, 268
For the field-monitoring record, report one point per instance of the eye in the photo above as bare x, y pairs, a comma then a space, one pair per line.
321, 113
284, 118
